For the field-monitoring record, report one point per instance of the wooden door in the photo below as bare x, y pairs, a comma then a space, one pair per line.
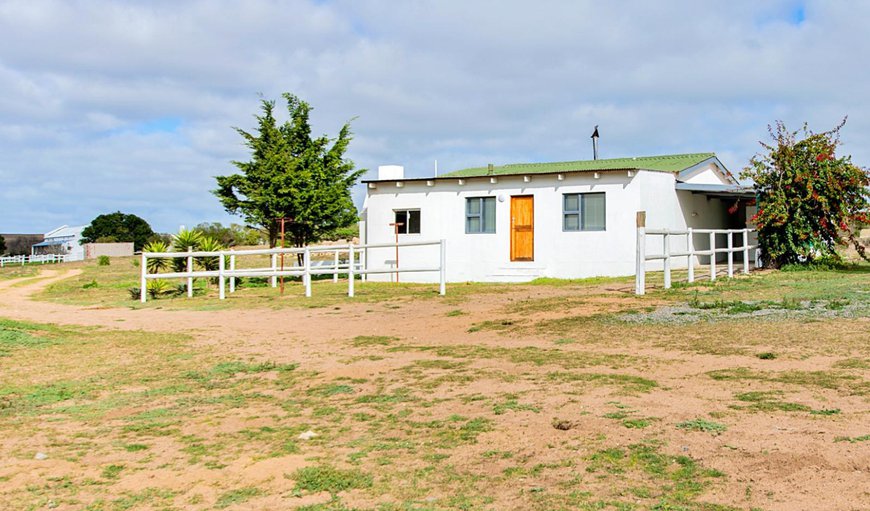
523, 228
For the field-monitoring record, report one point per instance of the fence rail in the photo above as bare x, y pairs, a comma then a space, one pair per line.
690, 253
36, 259
354, 264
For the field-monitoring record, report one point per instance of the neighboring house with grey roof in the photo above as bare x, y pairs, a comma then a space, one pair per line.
572, 219
64, 240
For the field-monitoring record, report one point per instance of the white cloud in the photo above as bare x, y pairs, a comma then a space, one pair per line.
129, 105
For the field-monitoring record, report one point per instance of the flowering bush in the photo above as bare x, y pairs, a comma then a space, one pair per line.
809, 199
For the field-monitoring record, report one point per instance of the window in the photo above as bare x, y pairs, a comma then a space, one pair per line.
410, 220
479, 215
583, 212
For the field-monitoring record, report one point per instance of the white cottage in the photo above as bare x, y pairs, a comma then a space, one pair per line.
519, 222
64, 240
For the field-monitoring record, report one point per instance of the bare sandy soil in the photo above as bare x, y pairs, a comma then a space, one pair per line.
511, 374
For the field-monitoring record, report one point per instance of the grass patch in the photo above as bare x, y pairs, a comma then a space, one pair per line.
237, 496
629, 383
330, 479
373, 340
702, 425
852, 440
823, 379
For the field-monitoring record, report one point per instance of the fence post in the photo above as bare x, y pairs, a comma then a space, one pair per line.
232, 271
306, 272
666, 246
363, 260
221, 282
350, 258
730, 253
335, 272
746, 251
274, 269
142, 281
443, 288
712, 255
690, 248
189, 270
640, 255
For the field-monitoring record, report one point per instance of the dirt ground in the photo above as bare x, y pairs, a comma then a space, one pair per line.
572, 412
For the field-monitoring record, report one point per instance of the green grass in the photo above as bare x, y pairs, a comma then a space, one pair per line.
327, 478
373, 340
237, 496
703, 425
834, 380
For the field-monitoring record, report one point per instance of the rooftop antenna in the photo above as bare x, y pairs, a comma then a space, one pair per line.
595, 143
436, 168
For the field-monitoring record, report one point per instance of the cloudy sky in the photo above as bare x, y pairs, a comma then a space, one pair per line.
128, 106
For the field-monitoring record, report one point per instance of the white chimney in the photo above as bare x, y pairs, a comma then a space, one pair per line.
391, 172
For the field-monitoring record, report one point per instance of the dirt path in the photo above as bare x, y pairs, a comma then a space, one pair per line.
787, 461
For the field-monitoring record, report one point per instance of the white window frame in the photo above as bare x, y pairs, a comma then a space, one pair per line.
407, 223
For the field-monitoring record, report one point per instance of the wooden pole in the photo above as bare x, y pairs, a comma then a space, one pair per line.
640, 254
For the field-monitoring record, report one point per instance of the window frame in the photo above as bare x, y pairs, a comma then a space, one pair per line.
481, 215
581, 197
407, 222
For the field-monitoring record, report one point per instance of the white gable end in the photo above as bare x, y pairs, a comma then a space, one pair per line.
709, 174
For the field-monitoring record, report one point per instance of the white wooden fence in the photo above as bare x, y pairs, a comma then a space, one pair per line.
21, 260
667, 254
352, 265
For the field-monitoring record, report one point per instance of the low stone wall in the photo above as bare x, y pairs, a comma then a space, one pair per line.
95, 250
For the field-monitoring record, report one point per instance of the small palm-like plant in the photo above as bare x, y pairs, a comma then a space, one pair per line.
156, 264
158, 288
208, 244
181, 242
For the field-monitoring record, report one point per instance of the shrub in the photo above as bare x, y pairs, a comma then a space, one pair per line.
103, 260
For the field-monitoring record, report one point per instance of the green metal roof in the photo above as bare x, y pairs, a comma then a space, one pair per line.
664, 163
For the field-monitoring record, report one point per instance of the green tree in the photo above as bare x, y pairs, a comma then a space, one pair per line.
292, 175
809, 200
2, 245
118, 227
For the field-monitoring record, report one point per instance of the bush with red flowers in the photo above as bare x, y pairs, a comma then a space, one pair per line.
809, 199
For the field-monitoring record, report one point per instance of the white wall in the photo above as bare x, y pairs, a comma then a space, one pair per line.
486, 257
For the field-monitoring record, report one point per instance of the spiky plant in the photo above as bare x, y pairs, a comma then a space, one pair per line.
156, 264
181, 242
211, 263
158, 288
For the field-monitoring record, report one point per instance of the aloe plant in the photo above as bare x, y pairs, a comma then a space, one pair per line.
208, 244
181, 242
156, 264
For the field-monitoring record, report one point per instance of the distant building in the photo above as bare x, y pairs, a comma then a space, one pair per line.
64, 240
